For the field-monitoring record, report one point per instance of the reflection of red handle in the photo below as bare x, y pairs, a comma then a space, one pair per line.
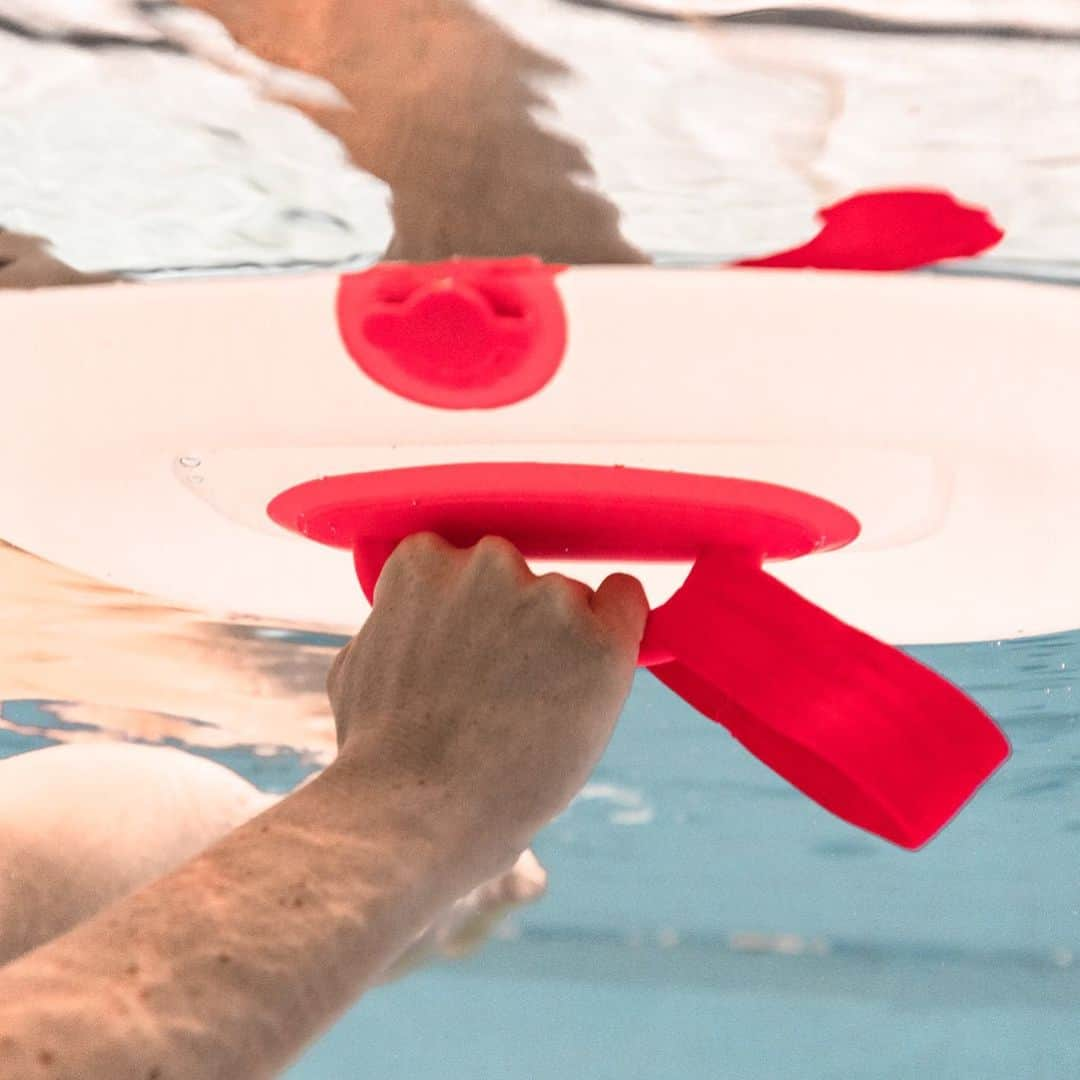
857, 725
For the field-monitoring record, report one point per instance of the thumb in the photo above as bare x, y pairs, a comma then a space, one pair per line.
621, 605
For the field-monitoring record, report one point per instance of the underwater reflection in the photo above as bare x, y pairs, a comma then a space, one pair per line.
117, 664
581, 131
440, 102
27, 263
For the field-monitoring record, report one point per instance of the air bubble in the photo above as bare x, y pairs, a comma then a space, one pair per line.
190, 462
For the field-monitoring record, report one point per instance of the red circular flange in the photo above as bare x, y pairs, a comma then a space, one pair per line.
557, 511
562, 512
462, 334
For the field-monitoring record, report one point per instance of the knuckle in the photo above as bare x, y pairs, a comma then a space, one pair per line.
555, 585
496, 549
420, 549
421, 543
567, 596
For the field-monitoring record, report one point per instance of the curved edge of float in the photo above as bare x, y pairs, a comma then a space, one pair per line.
910, 401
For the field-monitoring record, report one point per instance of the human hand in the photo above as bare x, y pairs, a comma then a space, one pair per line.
462, 929
488, 690
465, 926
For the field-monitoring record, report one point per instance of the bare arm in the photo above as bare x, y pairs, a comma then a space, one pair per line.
229, 965
471, 708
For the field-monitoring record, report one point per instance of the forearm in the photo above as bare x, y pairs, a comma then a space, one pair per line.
228, 966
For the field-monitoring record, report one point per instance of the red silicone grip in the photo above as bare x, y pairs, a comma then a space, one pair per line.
859, 726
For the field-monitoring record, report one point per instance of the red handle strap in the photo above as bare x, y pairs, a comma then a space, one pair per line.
858, 726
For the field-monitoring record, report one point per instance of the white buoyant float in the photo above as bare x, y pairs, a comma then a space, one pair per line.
912, 436
147, 428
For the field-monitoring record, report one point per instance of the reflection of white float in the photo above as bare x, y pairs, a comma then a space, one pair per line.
82, 825
915, 433
146, 429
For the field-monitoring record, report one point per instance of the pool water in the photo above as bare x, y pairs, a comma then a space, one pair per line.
703, 919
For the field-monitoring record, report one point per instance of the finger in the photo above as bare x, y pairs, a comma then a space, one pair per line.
527, 881
497, 551
578, 592
421, 549
621, 605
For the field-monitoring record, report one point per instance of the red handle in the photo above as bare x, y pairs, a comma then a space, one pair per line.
860, 727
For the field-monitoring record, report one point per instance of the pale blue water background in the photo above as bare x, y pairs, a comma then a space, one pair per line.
960, 961
957, 962
645, 961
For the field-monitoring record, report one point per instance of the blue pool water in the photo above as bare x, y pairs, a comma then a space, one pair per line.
961, 961
704, 920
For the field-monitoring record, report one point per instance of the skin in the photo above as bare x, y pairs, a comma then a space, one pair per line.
472, 173
470, 709
82, 825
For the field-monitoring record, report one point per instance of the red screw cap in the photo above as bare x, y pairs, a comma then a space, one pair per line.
463, 334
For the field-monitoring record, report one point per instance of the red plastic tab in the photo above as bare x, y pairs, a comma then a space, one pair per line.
891, 230
862, 728
857, 725
462, 334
